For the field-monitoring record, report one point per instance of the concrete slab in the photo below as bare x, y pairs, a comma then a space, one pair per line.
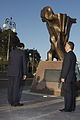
36, 107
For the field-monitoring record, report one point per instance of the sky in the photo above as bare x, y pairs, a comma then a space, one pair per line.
30, 28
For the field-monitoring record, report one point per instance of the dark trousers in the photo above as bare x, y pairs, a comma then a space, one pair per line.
70, 96
14, 90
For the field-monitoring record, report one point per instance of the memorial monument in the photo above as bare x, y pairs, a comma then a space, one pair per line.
48, 72
58, 26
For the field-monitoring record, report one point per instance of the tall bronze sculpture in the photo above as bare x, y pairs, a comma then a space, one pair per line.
58, 26
48, 72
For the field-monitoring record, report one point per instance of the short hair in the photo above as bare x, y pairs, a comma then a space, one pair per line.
21, 45
71, 45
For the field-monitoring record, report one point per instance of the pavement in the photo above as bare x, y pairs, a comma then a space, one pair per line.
36, 107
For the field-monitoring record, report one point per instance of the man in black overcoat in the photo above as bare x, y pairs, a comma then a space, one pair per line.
68, 78
16, 74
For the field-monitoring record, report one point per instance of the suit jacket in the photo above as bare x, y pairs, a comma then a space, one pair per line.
17, 63
68, 67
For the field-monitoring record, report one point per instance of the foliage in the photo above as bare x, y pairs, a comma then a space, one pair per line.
4, 37
33, 57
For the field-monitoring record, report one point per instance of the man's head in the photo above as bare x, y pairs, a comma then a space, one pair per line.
69, 46
21, 46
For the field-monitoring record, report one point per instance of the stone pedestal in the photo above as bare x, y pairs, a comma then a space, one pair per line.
47, 78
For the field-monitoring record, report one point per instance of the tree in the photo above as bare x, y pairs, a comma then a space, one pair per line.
33, 58
4, 37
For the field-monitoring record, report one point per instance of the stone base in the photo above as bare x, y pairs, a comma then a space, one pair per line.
47, 78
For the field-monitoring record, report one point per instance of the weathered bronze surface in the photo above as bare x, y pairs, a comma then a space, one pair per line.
58, 26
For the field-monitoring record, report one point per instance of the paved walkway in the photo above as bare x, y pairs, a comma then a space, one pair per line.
36, 107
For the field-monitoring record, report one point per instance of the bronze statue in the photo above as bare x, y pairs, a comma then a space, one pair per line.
58, 26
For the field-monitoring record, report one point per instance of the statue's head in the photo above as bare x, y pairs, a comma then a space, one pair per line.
46, 12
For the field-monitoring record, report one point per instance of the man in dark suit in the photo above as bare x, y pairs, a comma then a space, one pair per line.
68, 78
16, 74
